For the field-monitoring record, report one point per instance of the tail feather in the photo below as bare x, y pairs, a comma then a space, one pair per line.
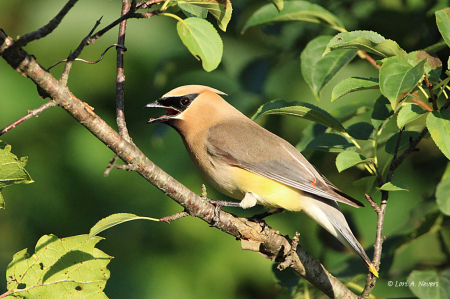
330, 217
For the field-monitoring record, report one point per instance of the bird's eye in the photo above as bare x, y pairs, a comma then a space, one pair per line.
185, 101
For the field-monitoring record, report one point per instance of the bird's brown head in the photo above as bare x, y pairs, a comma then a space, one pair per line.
178, 100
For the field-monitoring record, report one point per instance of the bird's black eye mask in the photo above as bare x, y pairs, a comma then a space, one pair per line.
173, 104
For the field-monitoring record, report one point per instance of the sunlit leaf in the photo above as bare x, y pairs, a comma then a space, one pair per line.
395, 186
114, 220
293, 11
318, 70
191, 10
60, 268
433, 65
279, 4
398, 78
409, 113
12, 170
368, 41
443, 23
220, 9
353, 84
347, 159
438, 123
304, 110
202, 40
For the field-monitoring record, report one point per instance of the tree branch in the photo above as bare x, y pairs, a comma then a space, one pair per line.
268, 242
120, 77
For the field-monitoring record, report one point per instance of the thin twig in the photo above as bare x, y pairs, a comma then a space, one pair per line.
370, 59
29, 115
72, 56
433, 98
90, 62
45, 30
120, 77
177, 216
112, 164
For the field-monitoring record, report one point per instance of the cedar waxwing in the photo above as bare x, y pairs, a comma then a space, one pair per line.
246, 162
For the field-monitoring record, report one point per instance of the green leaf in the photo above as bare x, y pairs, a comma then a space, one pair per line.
433, 65
367, 183
368, 41
202, 40
293, 11
438, 123
429, 284
398, 78
347, 159
309, 133
443, 23
304, 110
12, 170
220, 9
114, 220
279, 4
361, 130
381, 111
191, 10
330, 142
442, 192
407, 136
317, 70
409, 113
353, 84
395, 186
60, 268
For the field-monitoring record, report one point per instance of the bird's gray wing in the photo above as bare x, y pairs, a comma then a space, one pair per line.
257, 150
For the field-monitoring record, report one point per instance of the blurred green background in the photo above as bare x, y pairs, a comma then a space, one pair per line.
189, 259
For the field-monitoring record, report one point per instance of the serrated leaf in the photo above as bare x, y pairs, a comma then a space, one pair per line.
443, 23
220, 9
353, 84
309, 133
347, 159
398, 78
12, 170
433, 65
191, 10
304, 110
407, 136
318, 70
114, 220
381, 111
442, 192
409, 113
293, 11
395, 186
438, 123
202, 40
361, 130
368, 41
330, 142
60, 268
429, 284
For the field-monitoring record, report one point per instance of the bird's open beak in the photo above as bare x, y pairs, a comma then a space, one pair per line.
171, 112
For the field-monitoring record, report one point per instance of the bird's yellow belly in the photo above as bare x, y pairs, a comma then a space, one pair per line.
270, 193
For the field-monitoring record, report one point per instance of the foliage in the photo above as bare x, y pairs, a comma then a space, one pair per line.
406, 110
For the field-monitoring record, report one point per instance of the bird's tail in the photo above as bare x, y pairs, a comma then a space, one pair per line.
330, 217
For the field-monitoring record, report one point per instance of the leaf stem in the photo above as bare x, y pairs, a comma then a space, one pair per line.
171, 15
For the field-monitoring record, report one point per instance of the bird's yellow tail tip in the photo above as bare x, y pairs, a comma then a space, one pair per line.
373, 270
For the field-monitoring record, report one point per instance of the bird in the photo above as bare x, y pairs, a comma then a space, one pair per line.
246, 162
